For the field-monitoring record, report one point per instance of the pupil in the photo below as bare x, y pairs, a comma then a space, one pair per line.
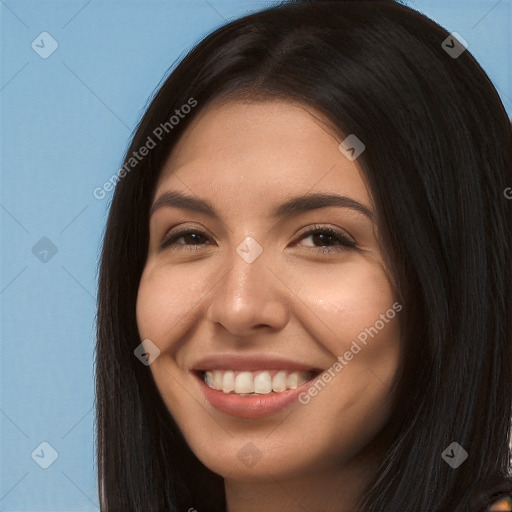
193, 237
322, 235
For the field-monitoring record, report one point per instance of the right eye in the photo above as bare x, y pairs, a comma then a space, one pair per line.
193, 236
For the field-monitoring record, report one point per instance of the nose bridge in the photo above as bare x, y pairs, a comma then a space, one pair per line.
248, 275
249, 295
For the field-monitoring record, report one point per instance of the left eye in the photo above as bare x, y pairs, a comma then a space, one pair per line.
326, 235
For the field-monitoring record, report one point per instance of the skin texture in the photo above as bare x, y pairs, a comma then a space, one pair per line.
295, 301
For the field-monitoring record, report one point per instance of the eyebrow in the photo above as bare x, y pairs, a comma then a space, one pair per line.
295, 205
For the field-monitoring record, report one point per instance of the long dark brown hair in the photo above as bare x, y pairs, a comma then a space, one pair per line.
437, 161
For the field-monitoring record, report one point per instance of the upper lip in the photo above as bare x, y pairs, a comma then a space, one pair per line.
250, 363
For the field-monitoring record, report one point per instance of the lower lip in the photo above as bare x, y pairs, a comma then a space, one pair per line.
253, 406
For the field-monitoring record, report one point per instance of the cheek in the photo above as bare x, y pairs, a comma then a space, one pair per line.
338, 303
168, 299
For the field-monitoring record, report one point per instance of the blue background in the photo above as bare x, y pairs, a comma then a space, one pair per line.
65, 123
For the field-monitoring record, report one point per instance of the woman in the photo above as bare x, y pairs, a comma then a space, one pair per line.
339, 338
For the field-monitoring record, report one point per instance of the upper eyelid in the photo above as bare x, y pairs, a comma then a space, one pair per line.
319, 227
183, 230
309, 231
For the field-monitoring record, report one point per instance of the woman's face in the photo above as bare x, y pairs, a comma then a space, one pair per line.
244, 288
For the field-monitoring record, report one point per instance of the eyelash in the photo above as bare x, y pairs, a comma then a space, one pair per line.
345, 241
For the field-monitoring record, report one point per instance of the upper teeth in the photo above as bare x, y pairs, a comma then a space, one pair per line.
260, 382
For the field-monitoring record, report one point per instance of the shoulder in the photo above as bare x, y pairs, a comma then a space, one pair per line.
500, 503
492, 495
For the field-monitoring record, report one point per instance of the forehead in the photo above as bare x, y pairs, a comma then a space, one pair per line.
262, 149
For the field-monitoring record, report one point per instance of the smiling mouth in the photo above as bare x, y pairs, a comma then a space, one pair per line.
259, 382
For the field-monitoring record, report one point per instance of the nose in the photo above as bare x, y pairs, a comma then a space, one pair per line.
249, 297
